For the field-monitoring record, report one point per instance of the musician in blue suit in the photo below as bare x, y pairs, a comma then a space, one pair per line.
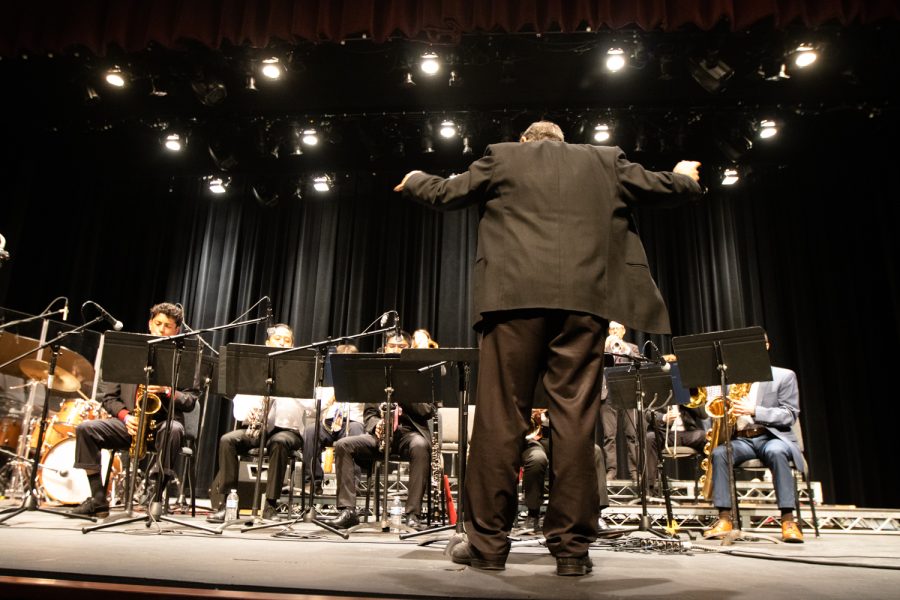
764, 420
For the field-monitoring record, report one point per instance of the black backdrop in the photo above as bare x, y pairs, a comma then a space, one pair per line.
806, 250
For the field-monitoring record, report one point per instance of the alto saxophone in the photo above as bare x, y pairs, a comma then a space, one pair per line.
254, 424
144, 434
717, 408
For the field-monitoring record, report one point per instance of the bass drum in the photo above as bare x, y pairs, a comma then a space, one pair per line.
67, 485
10, 430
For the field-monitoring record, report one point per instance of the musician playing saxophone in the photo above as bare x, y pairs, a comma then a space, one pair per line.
117, 432
764, 418
284, 424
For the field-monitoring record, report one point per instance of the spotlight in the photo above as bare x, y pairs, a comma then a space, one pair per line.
601, 133
272, 68
408, 80
174, 142
730, 177
615, 59
448, 129
115, 77
218, 185
767, 129
310, 137
430, 64
804, 55
322, 183
467, 149
455, 80
250, 83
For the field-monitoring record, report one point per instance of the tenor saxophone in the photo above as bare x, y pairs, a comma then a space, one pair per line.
144, 435
719, 409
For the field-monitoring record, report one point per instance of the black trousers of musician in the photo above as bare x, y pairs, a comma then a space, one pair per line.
516, 348
327, 437
407, 442
280, 443
609, 416
536, 461
91, 437
656, 441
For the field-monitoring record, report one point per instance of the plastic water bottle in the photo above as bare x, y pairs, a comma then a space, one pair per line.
396, 513
231, 506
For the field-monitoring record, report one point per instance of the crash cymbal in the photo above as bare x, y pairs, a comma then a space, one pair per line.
63, 380
75, 364
11, 346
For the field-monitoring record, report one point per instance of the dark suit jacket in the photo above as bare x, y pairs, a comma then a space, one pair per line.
414, 415
556, 229
117, 396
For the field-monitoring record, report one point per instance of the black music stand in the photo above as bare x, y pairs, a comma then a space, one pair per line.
723, 358
464, 358
123, 355
368, 378
260, 370
643, 386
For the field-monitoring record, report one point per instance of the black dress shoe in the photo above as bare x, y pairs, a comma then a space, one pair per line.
462, 554
216, 517
92, 508
573, 565
269, 513
346, 519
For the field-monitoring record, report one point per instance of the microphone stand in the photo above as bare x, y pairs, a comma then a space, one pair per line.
30, 500
154, 510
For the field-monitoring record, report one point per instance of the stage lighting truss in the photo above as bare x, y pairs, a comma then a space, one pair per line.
322, 183
116, 77
615, 60
730, 176
218, 184
602, 133
430, 64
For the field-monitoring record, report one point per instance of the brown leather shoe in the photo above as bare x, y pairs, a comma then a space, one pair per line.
719, 527
790, 532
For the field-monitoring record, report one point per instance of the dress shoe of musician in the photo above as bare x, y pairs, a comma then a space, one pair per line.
602, 525
414, 521
92, 508
269, 513
346, 519
719, 527
216, 517
573, 565
790, 532
462, 554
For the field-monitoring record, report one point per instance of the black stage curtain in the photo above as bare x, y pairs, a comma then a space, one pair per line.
53, 25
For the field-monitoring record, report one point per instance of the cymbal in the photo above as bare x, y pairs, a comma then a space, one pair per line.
11, 346
63, 380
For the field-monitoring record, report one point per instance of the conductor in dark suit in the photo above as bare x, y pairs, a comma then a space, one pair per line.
558, 256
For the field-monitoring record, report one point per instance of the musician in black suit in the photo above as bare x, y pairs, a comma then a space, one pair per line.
117, 432
411, 440
558, 256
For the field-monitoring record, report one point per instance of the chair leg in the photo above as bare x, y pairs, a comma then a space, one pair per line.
812, 504
797, 501
190, 479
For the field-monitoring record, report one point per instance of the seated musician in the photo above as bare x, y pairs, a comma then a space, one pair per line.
339, 420
285, 421
535, 463
411, 440
677, 426
118, 431
765, 416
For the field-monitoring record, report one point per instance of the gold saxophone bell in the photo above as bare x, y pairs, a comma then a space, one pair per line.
149, 404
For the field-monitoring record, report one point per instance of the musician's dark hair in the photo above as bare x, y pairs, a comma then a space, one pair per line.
168, 309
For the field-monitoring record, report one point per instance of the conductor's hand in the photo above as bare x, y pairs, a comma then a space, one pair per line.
686, 167
131, 424
399, 186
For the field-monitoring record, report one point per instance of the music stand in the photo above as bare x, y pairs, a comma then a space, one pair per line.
723, 358
464, 358
628, 387
368, 378
123, 355
260, 370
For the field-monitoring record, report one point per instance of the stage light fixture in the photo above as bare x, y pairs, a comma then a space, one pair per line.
430, 64
322, 183
448, 129
250, 83
804, 55
730, 177
467, 149
174, 142
116, 77
310, 137
711, 73
767, 129
218, 185
272, 68
209, 93
601, 133
408, 81
615, 59
455, 80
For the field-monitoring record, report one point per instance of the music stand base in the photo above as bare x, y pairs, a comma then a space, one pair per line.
31, 504
382, 527
129, 517
406, 536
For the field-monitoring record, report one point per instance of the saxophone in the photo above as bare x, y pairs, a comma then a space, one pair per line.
144, 434
717, 408
254, 424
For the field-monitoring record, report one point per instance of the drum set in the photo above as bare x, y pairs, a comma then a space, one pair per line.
57, 480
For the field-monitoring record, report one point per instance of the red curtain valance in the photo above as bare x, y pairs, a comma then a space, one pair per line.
53, 25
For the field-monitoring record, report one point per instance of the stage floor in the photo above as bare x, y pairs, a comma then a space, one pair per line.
48, 556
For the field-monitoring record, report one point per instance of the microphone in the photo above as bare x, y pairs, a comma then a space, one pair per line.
4, 255
270, 320
65, 311
396, 323
116, 324
384, 319
663, 363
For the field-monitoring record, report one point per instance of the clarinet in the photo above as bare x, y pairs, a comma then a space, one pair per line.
437, 466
